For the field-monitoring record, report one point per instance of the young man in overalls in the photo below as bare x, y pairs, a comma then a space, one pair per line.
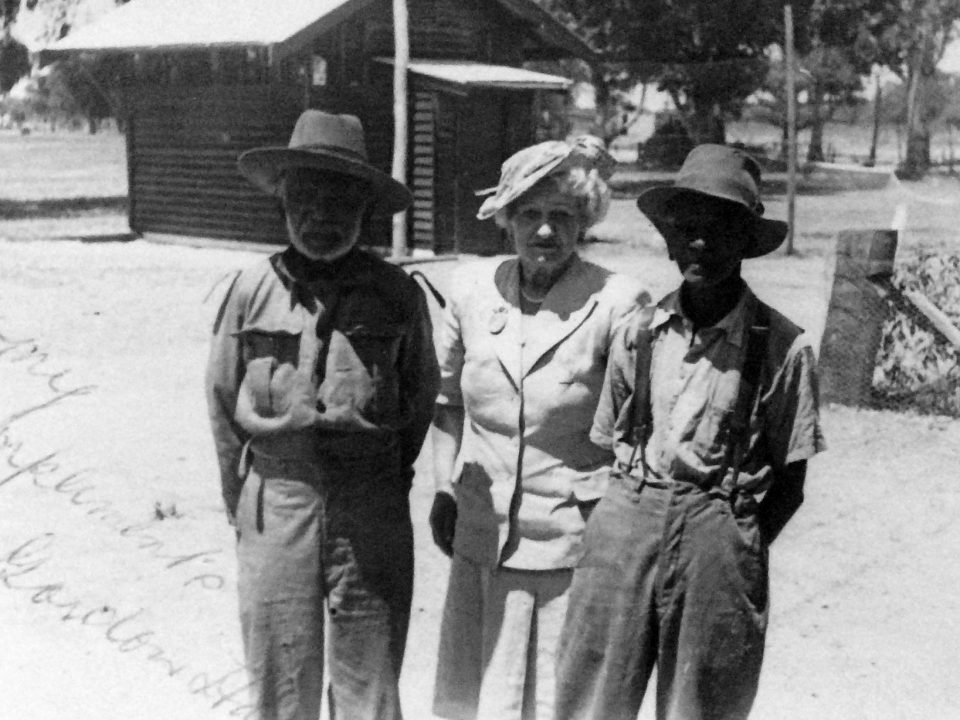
710, 405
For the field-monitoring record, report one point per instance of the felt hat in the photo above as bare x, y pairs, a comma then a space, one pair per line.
721, 172
324, 141
525, 168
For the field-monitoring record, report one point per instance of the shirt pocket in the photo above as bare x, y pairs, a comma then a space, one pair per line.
376, 345
709, 438
276, 338
271, 378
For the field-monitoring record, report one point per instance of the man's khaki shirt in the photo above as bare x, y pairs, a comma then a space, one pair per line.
695, 378
336, 369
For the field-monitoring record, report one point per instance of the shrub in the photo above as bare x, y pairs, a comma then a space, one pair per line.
917, 369
666, 148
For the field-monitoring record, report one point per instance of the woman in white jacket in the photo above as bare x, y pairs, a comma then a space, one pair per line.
522, 349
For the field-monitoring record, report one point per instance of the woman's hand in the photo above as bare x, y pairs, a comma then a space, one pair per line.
443, 520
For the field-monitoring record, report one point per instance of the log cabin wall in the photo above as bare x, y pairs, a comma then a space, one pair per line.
182, 151
466, 29
194, 111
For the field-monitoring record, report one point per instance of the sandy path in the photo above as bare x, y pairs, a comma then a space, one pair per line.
110, 612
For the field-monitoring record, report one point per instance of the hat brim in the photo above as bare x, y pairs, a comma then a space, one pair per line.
497, 202
766, 235
264, 166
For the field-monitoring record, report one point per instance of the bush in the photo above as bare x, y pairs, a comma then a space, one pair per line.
917, 369
666, 148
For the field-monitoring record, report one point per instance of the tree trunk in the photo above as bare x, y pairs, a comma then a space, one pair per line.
917, 160
817, 121
917, 157
877, 105
606, 108
706, 125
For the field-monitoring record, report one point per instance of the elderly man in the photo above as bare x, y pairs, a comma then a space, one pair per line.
321, 382
710, 405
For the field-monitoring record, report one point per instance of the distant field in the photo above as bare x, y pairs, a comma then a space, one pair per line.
45, 166
60, 168
845, 143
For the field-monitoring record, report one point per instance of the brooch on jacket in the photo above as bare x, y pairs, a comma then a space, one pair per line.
498, 319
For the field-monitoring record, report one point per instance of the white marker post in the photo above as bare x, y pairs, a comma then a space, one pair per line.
791, 123
401, 41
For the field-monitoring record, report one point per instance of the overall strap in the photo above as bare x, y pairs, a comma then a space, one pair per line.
641, 411
738, 429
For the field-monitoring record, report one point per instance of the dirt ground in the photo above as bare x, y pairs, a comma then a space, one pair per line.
117, 571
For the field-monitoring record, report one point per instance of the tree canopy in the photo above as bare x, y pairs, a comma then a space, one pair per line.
709, 56
915, 44
14, 61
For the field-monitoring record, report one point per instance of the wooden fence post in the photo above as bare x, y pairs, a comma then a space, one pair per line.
854, 326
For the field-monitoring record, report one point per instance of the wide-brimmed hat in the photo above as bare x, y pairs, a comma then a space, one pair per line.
525, 168
721, 172
324, 141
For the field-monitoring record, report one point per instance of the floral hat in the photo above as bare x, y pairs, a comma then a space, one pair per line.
525, 168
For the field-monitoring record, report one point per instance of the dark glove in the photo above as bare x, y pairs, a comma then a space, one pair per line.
443, 520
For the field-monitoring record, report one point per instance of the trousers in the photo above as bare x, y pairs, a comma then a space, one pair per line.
673, 577
316, 551
498, 642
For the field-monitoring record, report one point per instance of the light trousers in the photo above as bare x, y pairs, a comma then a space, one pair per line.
307, 541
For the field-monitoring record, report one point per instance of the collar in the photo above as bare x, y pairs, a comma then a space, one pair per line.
569, 289
300, 269
733, 325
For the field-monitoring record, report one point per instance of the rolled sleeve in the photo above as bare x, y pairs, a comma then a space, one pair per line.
793, 419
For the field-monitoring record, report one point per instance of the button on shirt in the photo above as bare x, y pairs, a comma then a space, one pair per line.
695, 377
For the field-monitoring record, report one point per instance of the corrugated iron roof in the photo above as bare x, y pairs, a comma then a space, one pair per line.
469, 73
172, 24
186, 24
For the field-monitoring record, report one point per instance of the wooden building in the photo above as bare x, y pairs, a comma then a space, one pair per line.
203, 80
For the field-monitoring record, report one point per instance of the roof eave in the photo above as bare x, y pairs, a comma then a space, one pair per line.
550, 29
283, 48
305, 36
48, 55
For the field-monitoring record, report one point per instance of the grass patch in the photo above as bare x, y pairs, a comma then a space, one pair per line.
55, 166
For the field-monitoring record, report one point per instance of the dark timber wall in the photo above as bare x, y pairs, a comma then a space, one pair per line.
183, 149
191, 113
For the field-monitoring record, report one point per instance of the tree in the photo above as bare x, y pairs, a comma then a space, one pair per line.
14, 61
89, 86
912, 48
709, 56
14, 56
9, 9
841, 50
836, 49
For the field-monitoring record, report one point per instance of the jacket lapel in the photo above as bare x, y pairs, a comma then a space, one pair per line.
566, 307
503, 319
